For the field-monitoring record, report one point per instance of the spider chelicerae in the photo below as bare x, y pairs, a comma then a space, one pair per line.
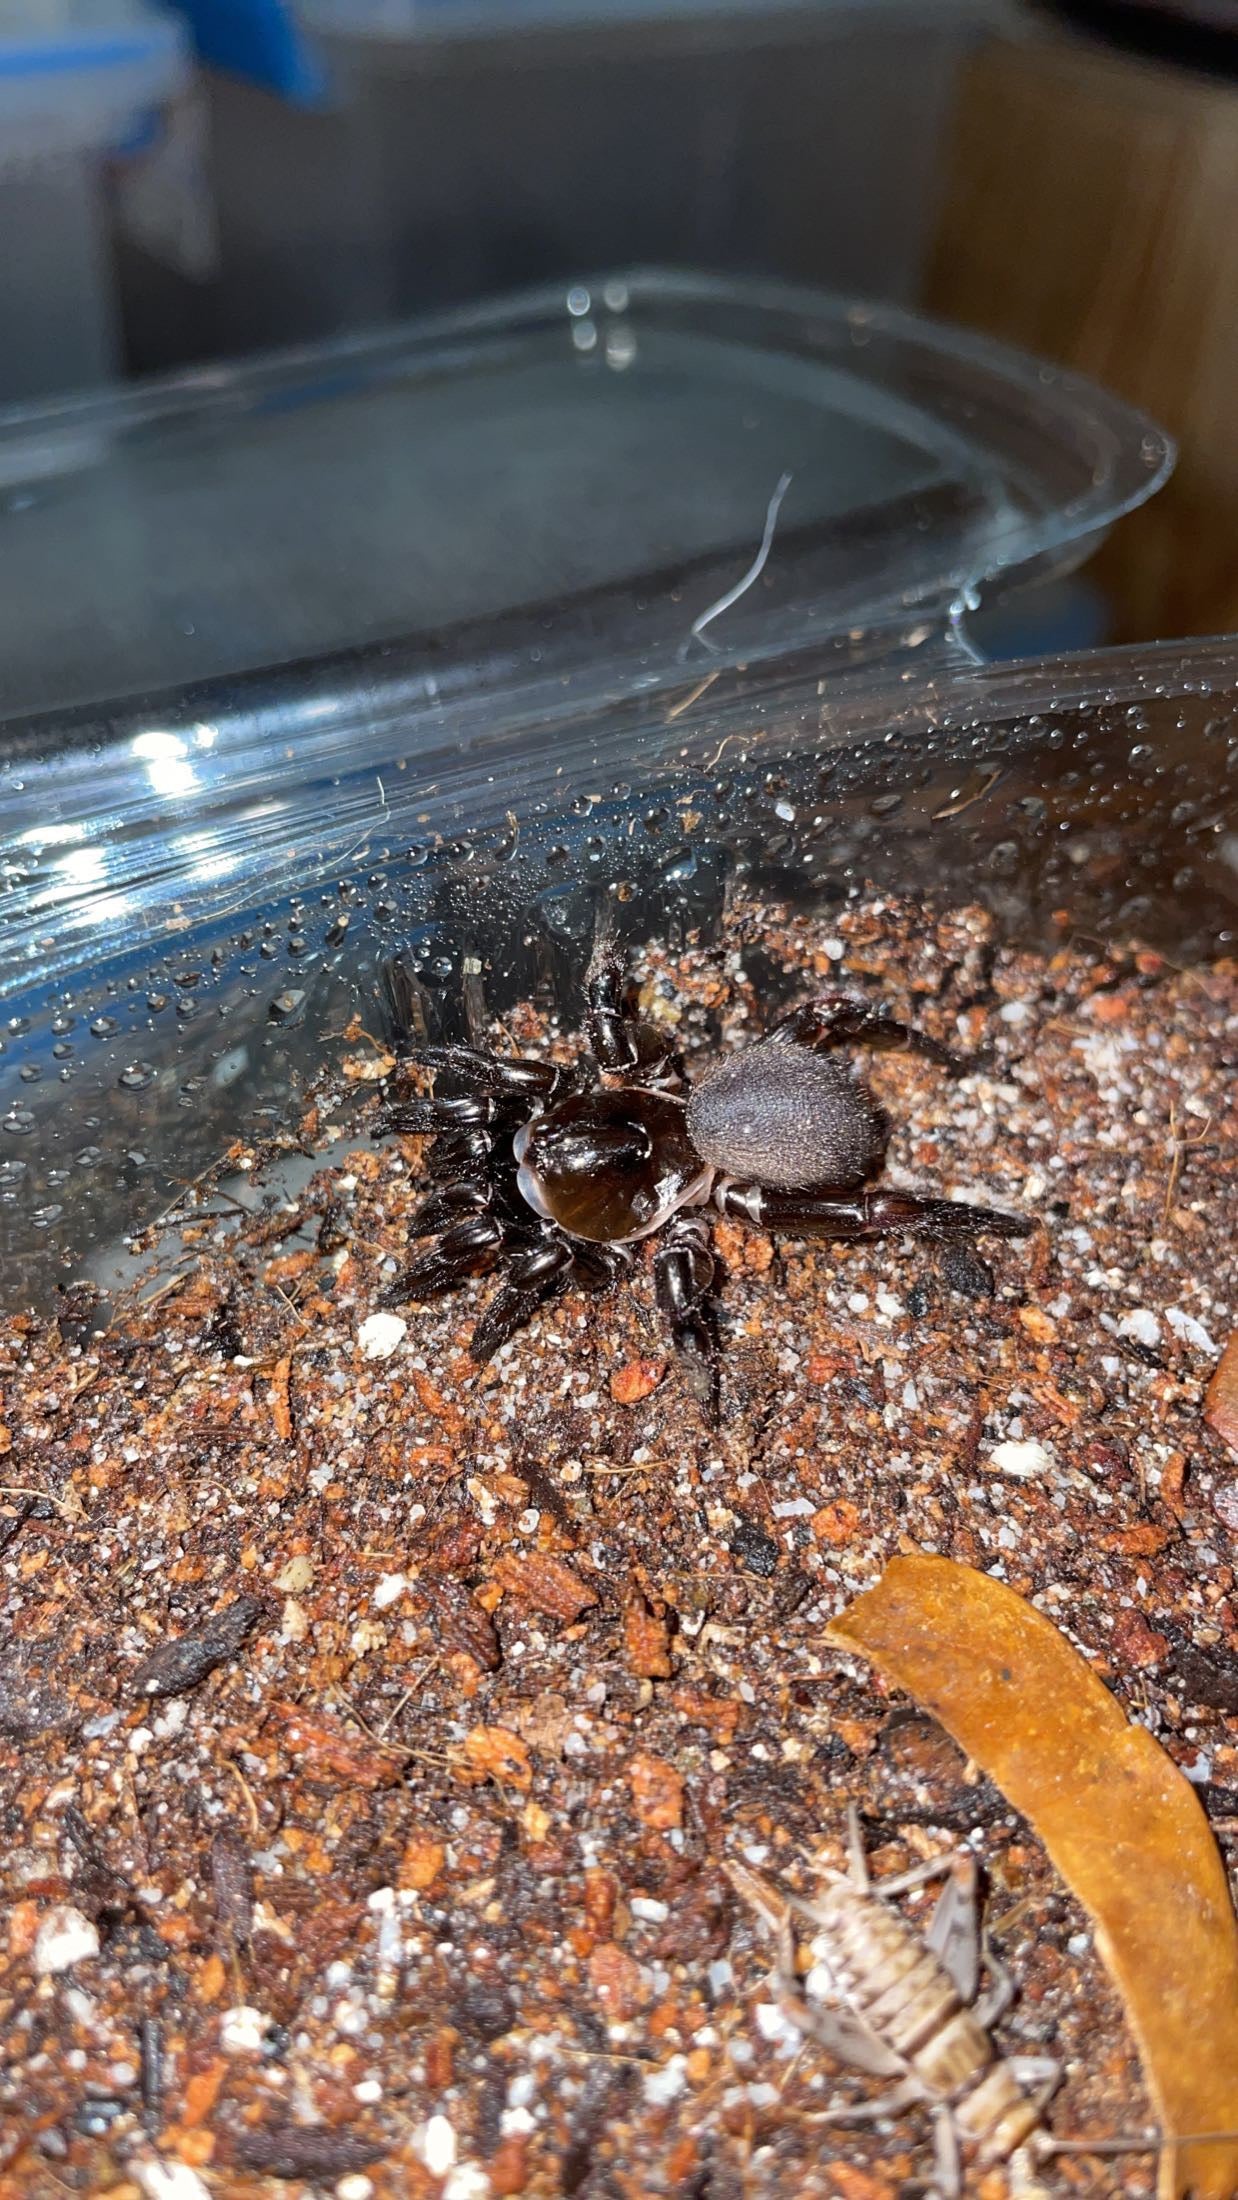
556, 1174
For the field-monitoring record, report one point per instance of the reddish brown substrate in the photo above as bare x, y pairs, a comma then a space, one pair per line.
404, 1865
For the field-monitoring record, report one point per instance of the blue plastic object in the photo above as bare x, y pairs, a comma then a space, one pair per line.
260, 40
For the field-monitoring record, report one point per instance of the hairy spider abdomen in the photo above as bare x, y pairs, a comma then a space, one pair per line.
610, 1165
782, 1116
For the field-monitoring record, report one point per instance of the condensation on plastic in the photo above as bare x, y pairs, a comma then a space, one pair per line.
202, 881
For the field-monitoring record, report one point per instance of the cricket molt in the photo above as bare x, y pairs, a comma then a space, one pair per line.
555, 1174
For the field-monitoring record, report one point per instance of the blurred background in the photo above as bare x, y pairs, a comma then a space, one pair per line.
182, 185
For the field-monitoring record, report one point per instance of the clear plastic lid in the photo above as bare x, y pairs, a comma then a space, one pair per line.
388, 21
437, 637
602, 459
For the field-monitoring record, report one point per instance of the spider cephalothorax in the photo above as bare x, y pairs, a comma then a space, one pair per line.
554, 1173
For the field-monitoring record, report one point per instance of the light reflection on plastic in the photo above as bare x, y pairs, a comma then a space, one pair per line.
82, 866
51, 836
205, 853
167, 767
87, 868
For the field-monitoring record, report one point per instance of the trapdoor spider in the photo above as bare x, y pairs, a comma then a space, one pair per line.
557, 1173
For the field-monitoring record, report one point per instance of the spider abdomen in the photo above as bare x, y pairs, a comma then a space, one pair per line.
782, 1116
610, 1165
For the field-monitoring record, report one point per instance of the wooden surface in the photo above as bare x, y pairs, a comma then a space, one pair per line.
1091, 215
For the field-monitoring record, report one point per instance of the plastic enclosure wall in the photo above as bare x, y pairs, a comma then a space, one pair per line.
446, 684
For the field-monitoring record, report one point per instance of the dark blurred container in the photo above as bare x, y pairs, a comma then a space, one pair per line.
803, 141
1198, 34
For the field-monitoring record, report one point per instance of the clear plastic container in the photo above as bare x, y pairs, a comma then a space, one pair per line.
408, 642
406, 20
76, 82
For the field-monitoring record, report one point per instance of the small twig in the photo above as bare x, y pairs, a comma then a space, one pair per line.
11, 1529
966, 801
391, 1749
1179, 1148
243, 1784
165, 1291
1154, 2143
291, 1305
187, 1184
647, 1466
418, 1681
694, 696
70, 1509
150, 2040
1010, 1918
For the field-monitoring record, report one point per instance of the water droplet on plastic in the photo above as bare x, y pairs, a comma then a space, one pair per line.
19, 1122
285, 1006
104, 1026
43, 1217
137, 1076
680, 867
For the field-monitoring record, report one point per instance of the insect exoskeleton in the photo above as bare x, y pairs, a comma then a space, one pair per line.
905, 2006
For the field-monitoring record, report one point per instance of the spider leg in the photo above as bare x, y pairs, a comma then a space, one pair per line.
421, 1115
849, 1019
532, 1277
461, 1156
465, 1250
442, 1209
620, 1040
683, 1271
596, 1266
480, 1072
867, 1214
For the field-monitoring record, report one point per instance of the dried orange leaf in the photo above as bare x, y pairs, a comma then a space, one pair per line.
1221, 1403
1123, 1827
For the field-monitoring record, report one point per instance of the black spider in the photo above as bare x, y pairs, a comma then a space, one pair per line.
557, 1173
